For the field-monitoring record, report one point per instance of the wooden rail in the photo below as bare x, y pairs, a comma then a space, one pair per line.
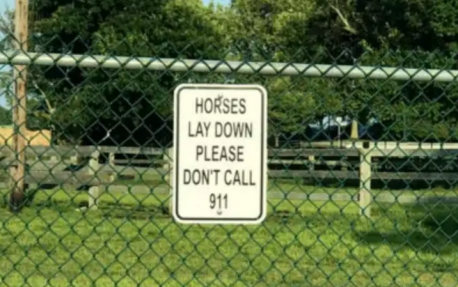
79, 165
71, 165
375, 175
353, 152
383, 145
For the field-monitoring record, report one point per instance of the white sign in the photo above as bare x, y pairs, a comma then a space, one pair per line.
220, 154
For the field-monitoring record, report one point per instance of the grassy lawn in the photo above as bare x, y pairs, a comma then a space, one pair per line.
132, 241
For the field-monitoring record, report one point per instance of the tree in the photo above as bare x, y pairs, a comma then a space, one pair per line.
5, 117
289, 112
427, 39
265, 33
83, 103
134, 105
400, 33
8, 43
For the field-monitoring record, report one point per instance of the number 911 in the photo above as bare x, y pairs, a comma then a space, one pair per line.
218, 201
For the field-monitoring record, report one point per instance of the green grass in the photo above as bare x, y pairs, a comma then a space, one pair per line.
132, 241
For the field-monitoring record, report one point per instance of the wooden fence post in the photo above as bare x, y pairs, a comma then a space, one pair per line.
365, 194
312, 162
111, 163
111, 159
74, 159
93, 190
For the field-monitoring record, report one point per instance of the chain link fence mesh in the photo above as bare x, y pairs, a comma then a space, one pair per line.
99, 128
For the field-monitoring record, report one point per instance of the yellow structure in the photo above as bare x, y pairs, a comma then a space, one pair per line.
34, 138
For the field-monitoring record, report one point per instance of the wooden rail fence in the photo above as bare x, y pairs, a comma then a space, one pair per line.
60, 165
80, 165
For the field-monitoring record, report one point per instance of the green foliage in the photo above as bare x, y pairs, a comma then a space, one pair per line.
288, 111
5, 117
125, 99
398, 33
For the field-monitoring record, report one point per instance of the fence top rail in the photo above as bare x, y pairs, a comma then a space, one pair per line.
219, 66
131, 150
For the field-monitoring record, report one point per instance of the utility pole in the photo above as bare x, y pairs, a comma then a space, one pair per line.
19, 107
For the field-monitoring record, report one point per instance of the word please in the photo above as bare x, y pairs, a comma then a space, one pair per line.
219, 153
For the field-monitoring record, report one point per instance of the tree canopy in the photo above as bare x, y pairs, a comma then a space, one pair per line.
82, 104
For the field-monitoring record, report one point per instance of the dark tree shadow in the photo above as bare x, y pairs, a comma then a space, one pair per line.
432, 227
32, 192
111, 210
133, 211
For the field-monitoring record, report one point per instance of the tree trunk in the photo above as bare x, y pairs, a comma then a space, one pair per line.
277, 141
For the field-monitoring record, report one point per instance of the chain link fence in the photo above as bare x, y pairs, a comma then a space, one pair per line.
96, 206
361, 169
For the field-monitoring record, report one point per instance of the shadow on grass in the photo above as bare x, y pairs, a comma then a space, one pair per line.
429, 226
108, 209
140, 211
391, 184
132, 211
284, 217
